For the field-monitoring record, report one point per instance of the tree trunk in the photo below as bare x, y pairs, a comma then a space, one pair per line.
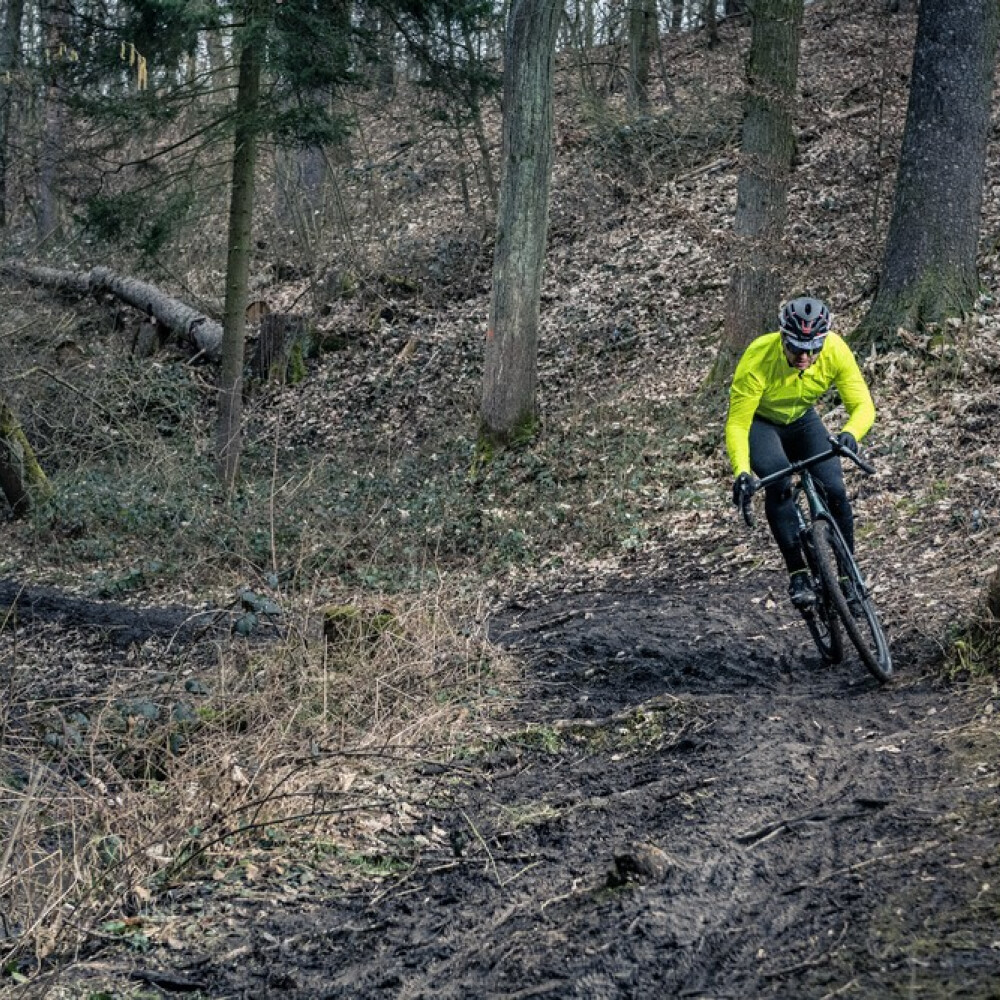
10, 59
51, 142
509, 407
580, 34
229, 421
182, 321
282, 345
218, 62
476, 115
761, 196
21, 477
676, 15
929, 267
643, 30
711, 22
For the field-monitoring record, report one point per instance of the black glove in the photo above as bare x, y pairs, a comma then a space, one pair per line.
742, 489
847, 441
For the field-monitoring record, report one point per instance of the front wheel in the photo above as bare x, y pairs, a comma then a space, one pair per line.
824, 627
833, 559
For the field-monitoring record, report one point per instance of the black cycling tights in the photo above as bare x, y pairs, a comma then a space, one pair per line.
772, 447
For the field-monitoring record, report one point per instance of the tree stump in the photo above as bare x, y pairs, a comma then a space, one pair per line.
282, 346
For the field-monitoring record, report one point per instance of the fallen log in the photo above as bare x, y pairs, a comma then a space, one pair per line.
184, 323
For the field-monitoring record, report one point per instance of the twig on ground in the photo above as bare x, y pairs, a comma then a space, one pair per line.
809, 963
486, 847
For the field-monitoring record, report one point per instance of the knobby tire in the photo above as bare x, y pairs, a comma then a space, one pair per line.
821, 620
865, 633
824, 627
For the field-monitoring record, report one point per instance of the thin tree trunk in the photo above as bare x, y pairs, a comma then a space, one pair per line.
761, 197
218, 63
711, 22
51, 145
10, 59
929, 268
509, 408
478, 128
676, 15
229, 430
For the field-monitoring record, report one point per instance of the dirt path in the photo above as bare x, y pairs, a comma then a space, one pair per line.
762, 827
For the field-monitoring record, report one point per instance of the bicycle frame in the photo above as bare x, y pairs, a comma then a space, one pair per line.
830, 560
818, 510
807, 485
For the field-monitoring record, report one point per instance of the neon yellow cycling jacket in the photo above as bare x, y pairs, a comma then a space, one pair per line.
765, 384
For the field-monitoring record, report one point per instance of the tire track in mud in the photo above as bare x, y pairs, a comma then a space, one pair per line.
782, 802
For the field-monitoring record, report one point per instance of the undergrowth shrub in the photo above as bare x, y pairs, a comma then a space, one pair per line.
976, 650
643, 148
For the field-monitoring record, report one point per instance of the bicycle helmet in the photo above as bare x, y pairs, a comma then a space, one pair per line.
804, 323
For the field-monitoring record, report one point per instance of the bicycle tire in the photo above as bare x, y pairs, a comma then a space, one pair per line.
822, 621
824, 627
866, 633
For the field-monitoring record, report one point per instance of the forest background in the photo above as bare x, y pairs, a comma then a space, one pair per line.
340, 572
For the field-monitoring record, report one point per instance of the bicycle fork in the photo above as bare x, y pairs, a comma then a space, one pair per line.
819, 511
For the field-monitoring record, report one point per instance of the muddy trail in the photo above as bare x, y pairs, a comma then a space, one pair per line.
688, 804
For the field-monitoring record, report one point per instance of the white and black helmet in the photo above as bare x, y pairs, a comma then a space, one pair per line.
804, 323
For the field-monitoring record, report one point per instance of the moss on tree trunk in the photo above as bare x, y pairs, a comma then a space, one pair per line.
22, 479
936, 296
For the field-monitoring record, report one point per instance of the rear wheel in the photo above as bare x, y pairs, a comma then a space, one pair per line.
833, 561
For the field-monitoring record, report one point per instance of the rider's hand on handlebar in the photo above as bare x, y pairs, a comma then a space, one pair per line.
848, 442
743, 487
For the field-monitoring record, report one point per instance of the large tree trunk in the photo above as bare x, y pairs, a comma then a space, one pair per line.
10, 58
229, 419
761, 197
21, 477
182, 321
508, 409
929, 268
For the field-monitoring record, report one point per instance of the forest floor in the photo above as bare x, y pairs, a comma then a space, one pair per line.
566, 738
680, 801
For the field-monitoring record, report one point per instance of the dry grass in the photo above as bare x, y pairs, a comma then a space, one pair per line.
126, 789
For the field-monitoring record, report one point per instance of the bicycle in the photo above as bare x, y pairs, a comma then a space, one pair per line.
830, 566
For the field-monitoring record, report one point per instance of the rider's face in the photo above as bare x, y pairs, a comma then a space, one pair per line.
800, 360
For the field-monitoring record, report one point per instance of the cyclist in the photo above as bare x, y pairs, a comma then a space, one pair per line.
772, 422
